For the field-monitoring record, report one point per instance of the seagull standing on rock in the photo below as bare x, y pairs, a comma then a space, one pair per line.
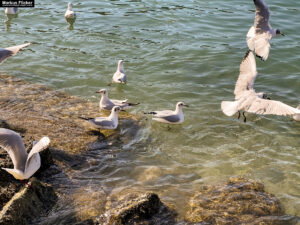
25, 165
261, 33
70, 13
11, 51
119, 76
247, 100
109, 123
108, 104
169, 116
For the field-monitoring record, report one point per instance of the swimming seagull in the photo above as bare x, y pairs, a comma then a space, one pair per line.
108, 104
169, 116
110, 122
248, 100
11, 10
119, 76
297, 116
10, 51
261, 33
70, 13
25, 165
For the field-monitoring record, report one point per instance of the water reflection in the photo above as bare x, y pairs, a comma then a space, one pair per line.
71, 22
10, 17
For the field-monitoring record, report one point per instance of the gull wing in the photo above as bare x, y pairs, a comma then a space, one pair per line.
13, 144
11, 51
119, 102
262, 45
102, 122
38, 147
163, 113
247, 75
170, 118
262, 16
264, 106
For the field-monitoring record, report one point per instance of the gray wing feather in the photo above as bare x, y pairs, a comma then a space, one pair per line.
264, 106
13, 144
247, 75
262, 16
99, 122
4, 54
170, 118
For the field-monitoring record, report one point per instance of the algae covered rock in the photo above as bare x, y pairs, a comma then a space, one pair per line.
28, 203
239, 201
138, 209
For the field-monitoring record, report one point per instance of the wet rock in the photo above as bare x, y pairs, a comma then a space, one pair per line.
145, 209
239, 201
28, 203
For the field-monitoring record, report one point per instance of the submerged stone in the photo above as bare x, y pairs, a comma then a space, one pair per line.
239, 201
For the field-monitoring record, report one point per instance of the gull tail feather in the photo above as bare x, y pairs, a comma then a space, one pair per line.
133, 104
229, 108
152, 113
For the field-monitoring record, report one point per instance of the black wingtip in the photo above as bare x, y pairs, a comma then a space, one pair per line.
247, 54
84, 118
133, 104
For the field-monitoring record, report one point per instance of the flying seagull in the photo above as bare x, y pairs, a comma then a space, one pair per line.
11, 10
108, 104
11, 51
261, 33
169, 116
247, 100
110, 122
70, 13
25, 165
119, 76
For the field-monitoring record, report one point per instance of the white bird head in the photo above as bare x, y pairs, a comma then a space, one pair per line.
180, 105
70, 6
102, 91
116, 109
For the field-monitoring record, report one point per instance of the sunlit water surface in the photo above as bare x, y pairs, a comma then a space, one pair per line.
174, 51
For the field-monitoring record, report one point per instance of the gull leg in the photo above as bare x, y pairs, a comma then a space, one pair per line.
169, 128
239, 115
245, 119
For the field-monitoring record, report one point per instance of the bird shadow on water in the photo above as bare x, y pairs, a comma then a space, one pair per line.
70, 22
10, 17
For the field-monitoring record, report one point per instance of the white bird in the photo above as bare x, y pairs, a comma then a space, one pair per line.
25, 165
110, 122
70, 13
169, 116
297, 116
248, 100
11, 51
119, 76
11, 10
108, 104
261, 33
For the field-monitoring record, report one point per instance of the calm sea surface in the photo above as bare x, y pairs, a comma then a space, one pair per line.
174, 51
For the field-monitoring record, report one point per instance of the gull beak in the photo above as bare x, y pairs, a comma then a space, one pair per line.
282, 34
185, 105
98, 92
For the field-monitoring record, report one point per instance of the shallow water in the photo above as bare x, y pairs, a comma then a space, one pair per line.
174, 51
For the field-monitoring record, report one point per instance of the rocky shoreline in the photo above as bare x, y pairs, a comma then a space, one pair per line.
35, 110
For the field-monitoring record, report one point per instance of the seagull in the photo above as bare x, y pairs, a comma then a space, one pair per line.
110, 122
297, 116
119, 76
261, 33
11, 10
25, 165
248, 100
11, 51
108, 104
70, 13
169, 116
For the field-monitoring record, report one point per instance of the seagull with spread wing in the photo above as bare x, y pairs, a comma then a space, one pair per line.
25, 165
11, 51
247, 100
261, 33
